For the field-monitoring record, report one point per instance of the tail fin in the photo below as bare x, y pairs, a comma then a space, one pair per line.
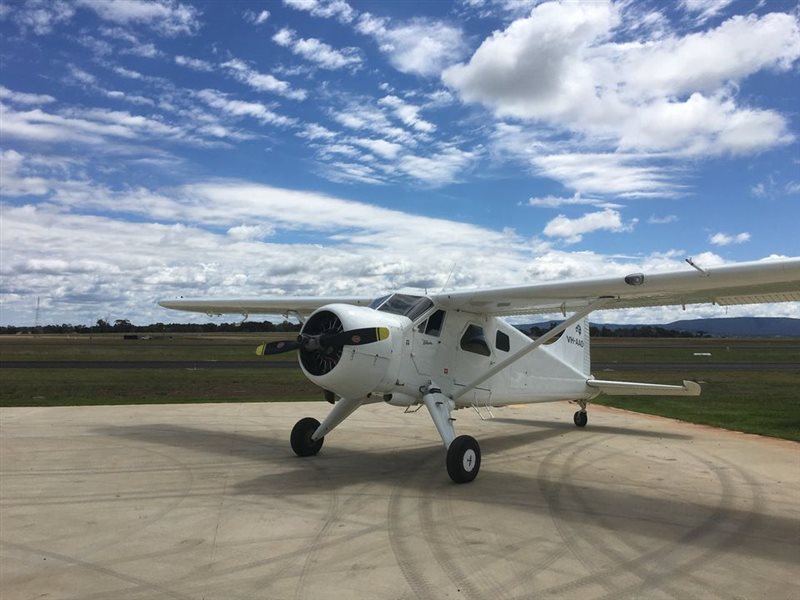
573, 347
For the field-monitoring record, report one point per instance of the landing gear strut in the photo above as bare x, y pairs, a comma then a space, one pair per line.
463, 452
580, 417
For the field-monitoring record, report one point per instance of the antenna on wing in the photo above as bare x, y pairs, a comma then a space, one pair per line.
692, 263
452, 270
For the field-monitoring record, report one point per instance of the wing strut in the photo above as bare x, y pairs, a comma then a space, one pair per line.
532, 346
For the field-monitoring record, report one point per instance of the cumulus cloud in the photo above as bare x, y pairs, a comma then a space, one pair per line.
723, 239
420, 47
673, 95
573, 230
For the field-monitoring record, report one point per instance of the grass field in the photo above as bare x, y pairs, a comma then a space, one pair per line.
755, 401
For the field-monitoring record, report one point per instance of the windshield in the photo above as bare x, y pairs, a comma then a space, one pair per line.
406, 305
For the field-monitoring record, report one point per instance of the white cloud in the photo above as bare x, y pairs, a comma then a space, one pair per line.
262, 82
165, 16
93, 126
656, 220
239, 108
576, 200
318, 52
361, 116
250, 232
256, 18
723, 239
573, 230
338, 9
674, 95
759, 190
314, 131
440, 168
384, 149
107, 265
23, 97
194, 63
407, 113
705, 9
39, 16
420, 47
625, 175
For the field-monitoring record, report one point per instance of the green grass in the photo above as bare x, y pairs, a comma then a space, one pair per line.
112, 347
761, 402
682, 350
71, 387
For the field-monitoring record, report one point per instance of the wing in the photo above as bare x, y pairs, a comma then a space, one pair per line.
744, 283
277, 305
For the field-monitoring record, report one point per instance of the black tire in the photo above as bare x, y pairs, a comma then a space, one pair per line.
581, 418
302, 444
463, 459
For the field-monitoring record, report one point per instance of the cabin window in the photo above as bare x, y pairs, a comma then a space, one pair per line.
474, 341
502, 342
433, 326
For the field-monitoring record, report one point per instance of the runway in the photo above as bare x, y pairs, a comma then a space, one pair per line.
208, 501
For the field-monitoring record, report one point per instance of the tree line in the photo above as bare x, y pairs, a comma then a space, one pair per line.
125, 326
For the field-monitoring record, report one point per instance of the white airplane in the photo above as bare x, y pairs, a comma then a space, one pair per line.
453, 350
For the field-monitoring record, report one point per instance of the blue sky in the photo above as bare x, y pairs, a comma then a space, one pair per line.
165, 148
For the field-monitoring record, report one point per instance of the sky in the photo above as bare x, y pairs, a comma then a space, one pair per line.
171, 148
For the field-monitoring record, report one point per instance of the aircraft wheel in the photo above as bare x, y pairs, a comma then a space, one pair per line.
463, 459
302, 444
581, 418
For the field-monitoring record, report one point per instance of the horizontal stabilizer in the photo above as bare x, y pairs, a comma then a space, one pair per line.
630, 388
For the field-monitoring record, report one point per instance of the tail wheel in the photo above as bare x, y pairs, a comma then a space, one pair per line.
302, 444
463, 459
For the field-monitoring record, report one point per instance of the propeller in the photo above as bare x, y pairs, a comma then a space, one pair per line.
325, 342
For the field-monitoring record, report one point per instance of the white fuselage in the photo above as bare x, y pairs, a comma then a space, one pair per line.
448, 350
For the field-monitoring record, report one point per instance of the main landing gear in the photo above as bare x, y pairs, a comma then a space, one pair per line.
580, 417
302, 442
463, 452
463, 459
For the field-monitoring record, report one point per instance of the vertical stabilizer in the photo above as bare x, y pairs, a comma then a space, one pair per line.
573, 347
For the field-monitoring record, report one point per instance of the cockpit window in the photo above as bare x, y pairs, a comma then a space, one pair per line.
405, 304
378, 301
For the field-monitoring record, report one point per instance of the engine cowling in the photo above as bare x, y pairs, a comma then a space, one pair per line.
353, 371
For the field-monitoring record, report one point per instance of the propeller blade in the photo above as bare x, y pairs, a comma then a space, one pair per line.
355, 337
271, 348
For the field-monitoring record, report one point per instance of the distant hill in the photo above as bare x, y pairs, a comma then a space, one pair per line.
719, 327
741, 326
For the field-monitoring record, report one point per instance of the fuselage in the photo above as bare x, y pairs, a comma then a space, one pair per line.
428, 345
